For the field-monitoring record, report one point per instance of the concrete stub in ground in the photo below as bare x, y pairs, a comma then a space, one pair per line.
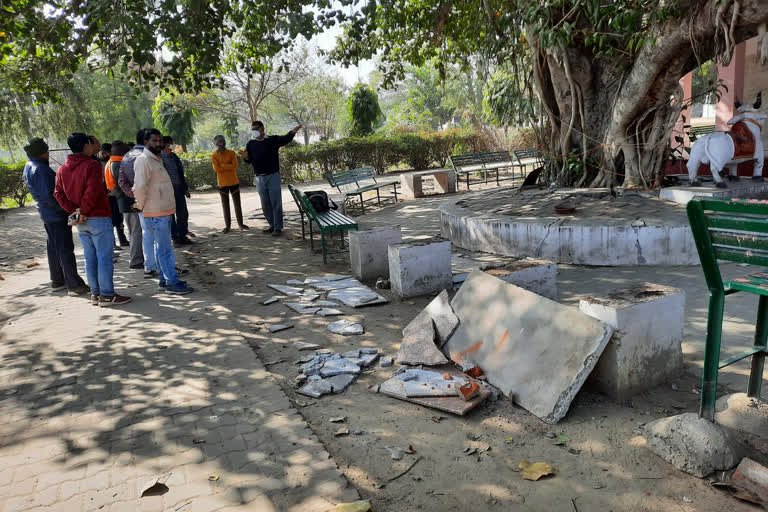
537, 276
742, 413
692, 444
645, 349
420, 268
368, 253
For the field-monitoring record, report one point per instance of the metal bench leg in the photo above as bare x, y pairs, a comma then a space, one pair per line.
395, 189
302, 224
378, 197
311, 236
362, 205
497, 178
712, 355
761, 334
322, 236
468, 181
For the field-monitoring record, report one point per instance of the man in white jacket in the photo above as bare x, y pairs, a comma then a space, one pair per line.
153, 190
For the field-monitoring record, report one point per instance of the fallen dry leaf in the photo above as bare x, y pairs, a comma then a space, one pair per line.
536, 470
341, 432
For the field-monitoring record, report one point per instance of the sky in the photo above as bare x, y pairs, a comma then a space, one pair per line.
351, 75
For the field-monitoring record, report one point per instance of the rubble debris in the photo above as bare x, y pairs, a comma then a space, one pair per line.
354, 506
326, 303
394, 452
469, 391
294, 282
517, 351
326, 372
303, 308
337, 419
271, 300
328, 312
444, 319
343, 431
474, 371
752, 478
692, 444
328, 286
277, 327
308, 297
418, 345
346, 328
385, 362
290, 291
323, 279
301, 345
357, 296
395, 387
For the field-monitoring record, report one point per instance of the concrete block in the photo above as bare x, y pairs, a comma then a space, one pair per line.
753, 478
410, 186
742, 413
645, 349
368, 251
420, 268
534, 350
537, 276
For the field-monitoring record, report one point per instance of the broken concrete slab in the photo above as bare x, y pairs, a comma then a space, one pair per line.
271, 300
301, 345
277, 327
743, 413
346, 327
308, 297
325, 303
337, 367
369, 350
316, 388
426, 383
294, 282
418, 346
336, 285
441, 313
322, 279
304, 308
368, 359
692, 444
291, 291
340, 383
386, 362
395, 387
329, 312
351, 353
516, 336
357, 296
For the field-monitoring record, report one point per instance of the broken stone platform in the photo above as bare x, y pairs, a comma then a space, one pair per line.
629, 229
745, 187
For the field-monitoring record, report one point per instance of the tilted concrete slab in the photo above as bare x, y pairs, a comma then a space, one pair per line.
441, 313
535, 350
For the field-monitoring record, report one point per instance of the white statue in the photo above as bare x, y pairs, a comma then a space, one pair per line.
729, 149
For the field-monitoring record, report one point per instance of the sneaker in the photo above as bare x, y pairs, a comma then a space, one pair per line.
161, 284
95, 300
78, 291
149, 274
244, 227
179, 288
58, 287
136, 267
115, 300
226, 230
277, 232
268, 230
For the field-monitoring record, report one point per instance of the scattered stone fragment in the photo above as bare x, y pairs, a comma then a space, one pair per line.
328, 312
337, 367
368, 350
287, 290
308, 297
343, 431
346, 327
351, 353
385, 362
340, 383
357, 432
752, 478
277, 327
325, 303
303, 308
337, 419
368, 359
357, 296
271, 300
441, 313
301, 345
470, 391
336, 285
374, 388
316, 388
394, 452
354, 506
322, 279
418, 346
294, 282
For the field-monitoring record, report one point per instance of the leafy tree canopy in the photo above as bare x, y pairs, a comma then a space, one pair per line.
363, 109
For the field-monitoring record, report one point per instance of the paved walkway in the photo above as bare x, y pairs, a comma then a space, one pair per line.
93, 406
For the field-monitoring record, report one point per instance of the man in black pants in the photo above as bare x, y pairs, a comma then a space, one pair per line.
175, 169
41, 181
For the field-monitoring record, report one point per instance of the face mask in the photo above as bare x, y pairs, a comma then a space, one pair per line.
256, 133
171, 146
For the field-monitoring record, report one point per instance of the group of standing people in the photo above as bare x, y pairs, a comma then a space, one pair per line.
102, 189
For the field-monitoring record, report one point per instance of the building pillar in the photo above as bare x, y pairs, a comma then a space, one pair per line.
733, 77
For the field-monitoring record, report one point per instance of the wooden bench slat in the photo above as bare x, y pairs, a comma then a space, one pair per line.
742, 206
740, 239
738, 223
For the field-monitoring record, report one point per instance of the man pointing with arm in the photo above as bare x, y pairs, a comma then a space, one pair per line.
262, 153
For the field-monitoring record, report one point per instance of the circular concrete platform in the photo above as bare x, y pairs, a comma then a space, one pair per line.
603, 230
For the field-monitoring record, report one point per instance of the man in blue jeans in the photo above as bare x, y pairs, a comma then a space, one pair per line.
153, 191
262, 153
41, 180
80, 191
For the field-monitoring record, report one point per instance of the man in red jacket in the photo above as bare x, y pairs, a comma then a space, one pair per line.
80, 189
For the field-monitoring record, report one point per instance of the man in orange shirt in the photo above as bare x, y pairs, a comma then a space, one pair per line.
225, 165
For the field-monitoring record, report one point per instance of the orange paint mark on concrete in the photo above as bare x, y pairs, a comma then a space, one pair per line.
503, 339
471, 350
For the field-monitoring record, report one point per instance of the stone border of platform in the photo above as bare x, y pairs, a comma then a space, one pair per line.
566, 240
743, 188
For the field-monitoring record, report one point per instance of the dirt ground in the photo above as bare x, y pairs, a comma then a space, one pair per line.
599, 454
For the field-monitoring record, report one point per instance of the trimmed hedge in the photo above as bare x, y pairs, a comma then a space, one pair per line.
12, 186
199, 170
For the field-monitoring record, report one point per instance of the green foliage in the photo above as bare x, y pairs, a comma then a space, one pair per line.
504, 102
363, 110
13, 190
174, 116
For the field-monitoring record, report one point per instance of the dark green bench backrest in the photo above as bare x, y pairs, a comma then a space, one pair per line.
495, 157
521, 154
338, 179
469, 160
702, 130
731, 230
302, 201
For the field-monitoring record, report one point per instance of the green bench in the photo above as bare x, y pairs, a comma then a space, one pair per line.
493, 161
731, 230
326, 222
698, 131
345, 179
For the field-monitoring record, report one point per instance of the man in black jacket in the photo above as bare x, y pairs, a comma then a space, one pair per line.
125, 201
262, 153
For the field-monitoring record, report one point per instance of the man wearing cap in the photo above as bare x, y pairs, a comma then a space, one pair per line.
41, 180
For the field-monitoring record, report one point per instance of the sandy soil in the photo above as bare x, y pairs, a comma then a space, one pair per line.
600, 457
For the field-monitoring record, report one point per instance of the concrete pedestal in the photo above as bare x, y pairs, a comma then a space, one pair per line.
411, 184
368, 252
537, 276
645, 349
420, 268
